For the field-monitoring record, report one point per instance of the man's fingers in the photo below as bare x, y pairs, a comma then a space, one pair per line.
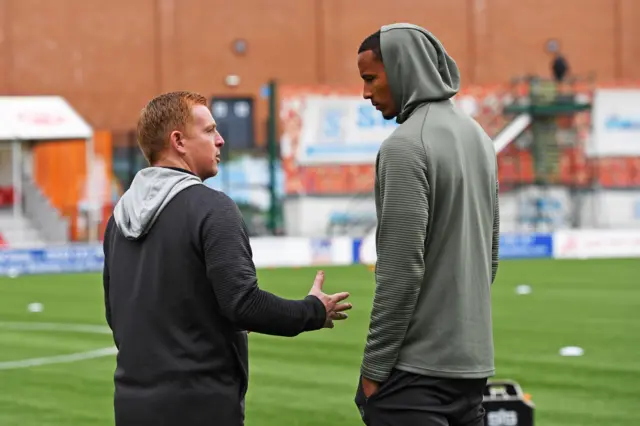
318, 281
339, 297
337, 316
342, 307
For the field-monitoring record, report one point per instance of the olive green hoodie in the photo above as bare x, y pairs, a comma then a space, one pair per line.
438, 222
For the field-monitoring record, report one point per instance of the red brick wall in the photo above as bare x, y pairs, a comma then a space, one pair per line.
109, 60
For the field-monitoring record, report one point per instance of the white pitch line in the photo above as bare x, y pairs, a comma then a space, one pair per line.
51, 326
58, 359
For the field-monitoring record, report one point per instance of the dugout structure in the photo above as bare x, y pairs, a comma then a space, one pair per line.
25, 123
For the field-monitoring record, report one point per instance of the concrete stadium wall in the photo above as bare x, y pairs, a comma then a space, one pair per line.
109, 58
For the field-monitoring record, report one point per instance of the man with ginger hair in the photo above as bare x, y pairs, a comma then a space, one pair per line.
180, 286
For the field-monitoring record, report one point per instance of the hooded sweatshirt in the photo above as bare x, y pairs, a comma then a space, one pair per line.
180, 290
436, 196
150, 192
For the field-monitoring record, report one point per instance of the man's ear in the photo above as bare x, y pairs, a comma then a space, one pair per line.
176, 139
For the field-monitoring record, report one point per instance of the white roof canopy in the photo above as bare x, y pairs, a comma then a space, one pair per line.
40, 118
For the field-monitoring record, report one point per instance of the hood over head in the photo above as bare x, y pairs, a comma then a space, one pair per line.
150, 192
418, 68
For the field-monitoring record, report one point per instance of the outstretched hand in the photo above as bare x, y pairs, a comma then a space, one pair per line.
332, 302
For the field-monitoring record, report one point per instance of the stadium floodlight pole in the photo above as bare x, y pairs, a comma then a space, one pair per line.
273, 155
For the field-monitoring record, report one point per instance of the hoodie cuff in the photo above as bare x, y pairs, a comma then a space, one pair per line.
318, 313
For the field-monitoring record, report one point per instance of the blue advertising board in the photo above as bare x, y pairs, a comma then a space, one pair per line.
357, 243
90, 257
60, 259
512, 246
526, 246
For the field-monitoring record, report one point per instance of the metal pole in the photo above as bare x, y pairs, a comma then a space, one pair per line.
224, 132
273, 155
92, 219
16, 176
132, 150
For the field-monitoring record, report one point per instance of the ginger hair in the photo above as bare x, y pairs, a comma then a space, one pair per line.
161, 116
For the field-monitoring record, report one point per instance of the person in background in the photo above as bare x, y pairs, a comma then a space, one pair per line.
559, 67
429, 350
180, 286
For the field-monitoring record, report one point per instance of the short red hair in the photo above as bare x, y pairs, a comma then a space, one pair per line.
161, 116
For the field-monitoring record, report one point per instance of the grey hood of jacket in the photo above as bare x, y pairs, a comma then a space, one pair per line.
150, 192
419, 69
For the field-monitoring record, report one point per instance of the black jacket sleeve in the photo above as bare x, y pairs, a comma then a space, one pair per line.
231, 270
105, 272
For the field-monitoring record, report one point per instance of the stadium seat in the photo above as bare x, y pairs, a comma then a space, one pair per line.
6, 196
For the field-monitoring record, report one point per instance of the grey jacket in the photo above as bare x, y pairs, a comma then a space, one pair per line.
436, 195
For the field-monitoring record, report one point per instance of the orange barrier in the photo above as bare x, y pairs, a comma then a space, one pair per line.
60, 170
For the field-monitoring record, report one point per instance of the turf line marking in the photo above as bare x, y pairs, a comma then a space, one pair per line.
58, 359
52, 326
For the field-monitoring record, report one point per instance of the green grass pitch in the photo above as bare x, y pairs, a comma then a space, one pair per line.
594, 304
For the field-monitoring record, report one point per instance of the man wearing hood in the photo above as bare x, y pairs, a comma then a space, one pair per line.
429, 351
180, 285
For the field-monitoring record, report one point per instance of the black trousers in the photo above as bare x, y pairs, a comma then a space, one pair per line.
407, 399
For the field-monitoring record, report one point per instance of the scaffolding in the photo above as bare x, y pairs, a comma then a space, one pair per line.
550, 195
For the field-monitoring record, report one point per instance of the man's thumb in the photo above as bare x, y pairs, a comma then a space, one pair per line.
319, 281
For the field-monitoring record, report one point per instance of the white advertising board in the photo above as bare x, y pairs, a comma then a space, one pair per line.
368, 252
616, 123
272, 252
596, 243
347, 129
341, 130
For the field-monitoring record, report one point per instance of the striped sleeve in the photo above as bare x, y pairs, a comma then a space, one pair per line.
402, 193
495, 249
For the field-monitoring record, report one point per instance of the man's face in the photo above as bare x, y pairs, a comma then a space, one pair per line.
376, 88
202, 143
